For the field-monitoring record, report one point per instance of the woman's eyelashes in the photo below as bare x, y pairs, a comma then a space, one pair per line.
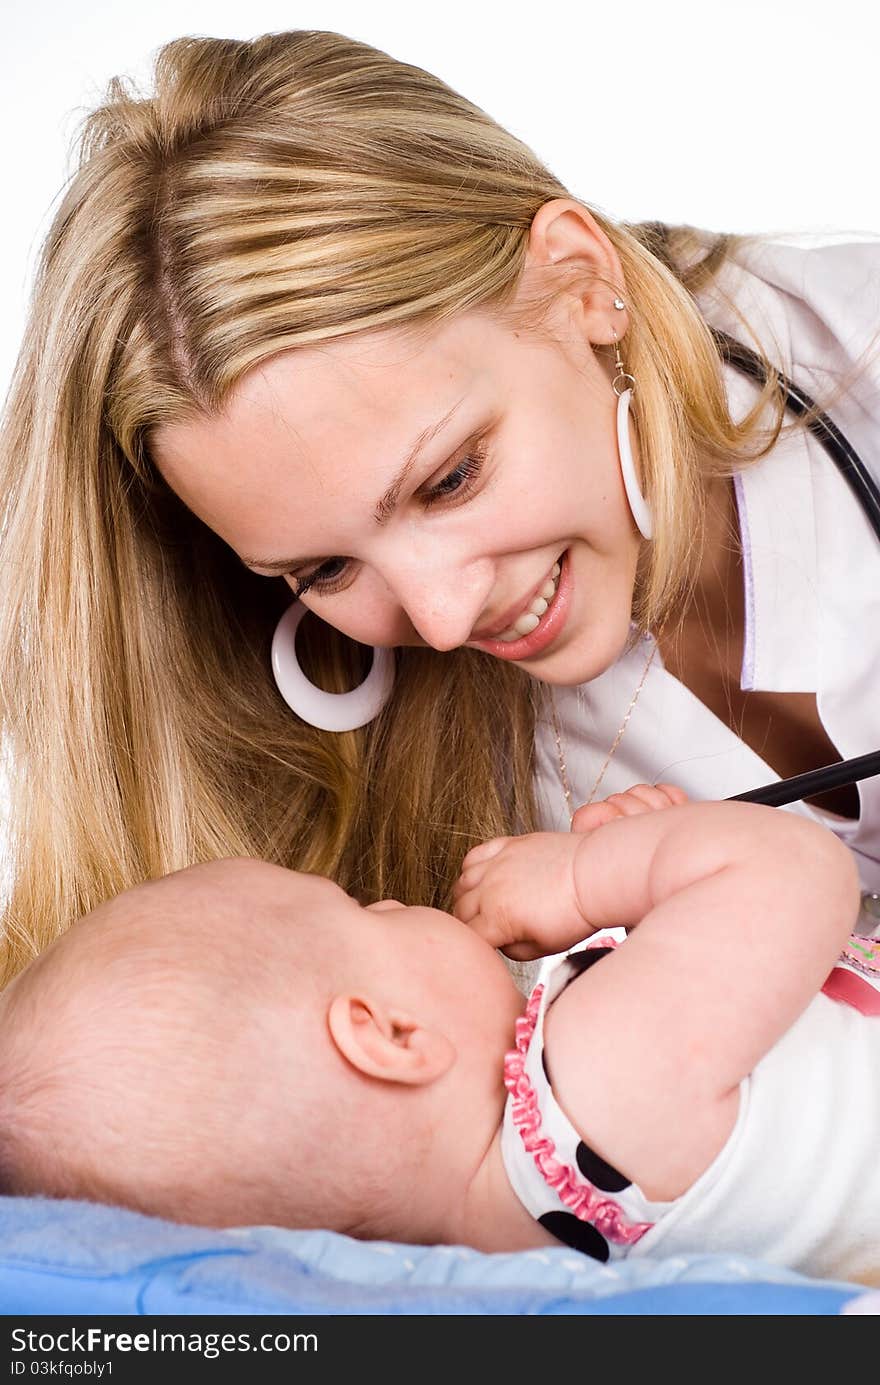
456, 486
458, 482
321, 584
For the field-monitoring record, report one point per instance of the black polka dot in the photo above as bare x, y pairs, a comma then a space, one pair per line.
600, 1174
582, 961
580, 1235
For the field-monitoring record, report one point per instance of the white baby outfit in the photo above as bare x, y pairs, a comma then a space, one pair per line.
798, 1181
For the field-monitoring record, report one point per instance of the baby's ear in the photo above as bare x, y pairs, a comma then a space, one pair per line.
380, 1041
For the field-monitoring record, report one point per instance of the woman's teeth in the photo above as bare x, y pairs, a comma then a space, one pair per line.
531, 617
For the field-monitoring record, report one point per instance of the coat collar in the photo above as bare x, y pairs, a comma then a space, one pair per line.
778, 534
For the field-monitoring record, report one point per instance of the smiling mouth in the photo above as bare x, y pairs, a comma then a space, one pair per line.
530, 618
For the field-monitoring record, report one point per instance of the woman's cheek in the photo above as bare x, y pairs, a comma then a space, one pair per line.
364, 619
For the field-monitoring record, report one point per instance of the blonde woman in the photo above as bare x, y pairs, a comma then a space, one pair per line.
310, 324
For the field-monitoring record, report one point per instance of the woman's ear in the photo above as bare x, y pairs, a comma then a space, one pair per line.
563, 232
382, 1042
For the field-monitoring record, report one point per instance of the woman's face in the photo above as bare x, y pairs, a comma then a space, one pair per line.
422, 493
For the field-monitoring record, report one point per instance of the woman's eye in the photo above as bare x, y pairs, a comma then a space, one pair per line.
460, 480
324, 578
457, 484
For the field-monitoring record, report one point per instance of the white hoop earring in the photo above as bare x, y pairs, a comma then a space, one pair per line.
622, 385
327, 711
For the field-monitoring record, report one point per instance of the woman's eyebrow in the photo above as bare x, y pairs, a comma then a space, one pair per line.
387, 502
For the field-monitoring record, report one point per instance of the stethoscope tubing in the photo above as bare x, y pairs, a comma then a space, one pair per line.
866, 491
826, 432
813, 781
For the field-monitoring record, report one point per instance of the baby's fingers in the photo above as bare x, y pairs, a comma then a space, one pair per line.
643, 798
593, 815
491, 926
631, 803
473, 867
466, 905
478, 855
675, 795
496, 930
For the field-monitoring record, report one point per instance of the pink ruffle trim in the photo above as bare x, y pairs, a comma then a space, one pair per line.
582, 1198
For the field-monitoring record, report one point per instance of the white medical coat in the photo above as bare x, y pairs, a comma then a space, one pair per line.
811, 563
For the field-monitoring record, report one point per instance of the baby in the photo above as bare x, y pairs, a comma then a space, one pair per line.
238, 1043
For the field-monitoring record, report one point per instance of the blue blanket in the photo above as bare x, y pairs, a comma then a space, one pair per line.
77, 1258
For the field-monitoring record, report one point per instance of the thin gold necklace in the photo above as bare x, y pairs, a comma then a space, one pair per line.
563, 771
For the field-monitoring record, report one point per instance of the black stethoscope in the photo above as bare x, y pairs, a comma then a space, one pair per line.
866, 491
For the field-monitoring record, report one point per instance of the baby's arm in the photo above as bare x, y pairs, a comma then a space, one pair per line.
521, 893
741, 912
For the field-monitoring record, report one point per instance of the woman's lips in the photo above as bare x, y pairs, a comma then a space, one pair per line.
522, 608
546, 630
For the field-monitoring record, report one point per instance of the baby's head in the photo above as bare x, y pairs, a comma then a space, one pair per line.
237, 1043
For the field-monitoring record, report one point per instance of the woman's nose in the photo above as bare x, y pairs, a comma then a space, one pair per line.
444, 601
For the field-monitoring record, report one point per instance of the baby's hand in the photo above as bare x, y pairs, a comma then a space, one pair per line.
641, 798
519, 894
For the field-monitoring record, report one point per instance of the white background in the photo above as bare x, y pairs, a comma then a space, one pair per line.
749, 115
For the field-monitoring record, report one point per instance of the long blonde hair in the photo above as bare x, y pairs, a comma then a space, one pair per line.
271, 194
